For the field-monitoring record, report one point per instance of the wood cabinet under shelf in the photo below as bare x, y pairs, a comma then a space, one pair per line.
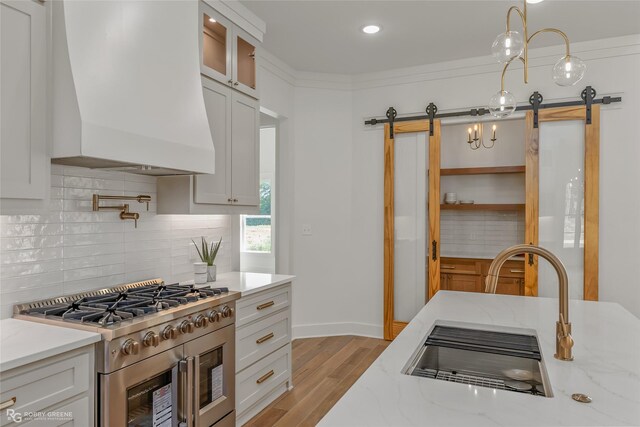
469, 275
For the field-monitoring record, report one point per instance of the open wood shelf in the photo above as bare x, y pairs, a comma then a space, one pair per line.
482, 171
480, 207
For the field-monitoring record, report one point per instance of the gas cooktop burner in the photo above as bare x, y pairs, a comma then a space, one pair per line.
111, 308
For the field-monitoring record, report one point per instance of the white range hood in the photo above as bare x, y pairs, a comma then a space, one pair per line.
127, 92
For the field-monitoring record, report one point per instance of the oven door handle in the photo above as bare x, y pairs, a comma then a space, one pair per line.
196, 375
187, 392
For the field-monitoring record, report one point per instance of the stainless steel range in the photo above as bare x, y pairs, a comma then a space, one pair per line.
167, 356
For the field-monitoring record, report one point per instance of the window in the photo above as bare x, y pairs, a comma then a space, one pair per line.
256, 229
257, 232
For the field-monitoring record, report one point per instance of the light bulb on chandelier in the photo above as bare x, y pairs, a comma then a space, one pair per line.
569, 70
507, 46
502, 104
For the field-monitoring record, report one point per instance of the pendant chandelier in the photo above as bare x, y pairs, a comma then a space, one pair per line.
476, 136
512, 45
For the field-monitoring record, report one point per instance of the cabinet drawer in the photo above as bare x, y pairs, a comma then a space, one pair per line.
511, 268
262, 305
45, 384
255, 341
459, 266
261, 378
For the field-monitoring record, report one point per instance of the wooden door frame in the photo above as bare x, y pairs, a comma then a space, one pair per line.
591, 192
392, 327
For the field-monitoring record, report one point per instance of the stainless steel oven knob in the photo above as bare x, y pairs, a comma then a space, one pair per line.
200, 321
130, 347
227, 311
169, 333
214, 316
186, 327
151, 339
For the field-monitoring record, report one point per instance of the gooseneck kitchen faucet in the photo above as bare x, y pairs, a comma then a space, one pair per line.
564, 341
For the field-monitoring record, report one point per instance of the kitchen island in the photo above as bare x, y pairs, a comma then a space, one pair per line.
606, 367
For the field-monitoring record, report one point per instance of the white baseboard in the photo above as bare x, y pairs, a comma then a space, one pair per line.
332, 329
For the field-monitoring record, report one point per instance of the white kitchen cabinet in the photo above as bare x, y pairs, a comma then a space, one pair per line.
234, 119
245, 150
228, 53
24, 172
59, 388
244, 62
263, 350
218, 102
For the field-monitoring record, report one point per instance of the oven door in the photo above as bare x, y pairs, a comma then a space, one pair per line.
144, 394
213, 364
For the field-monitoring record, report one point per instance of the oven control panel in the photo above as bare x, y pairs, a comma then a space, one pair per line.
137, 346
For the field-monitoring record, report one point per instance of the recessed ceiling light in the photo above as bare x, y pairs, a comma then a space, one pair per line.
212, 20
370, 29
534, 1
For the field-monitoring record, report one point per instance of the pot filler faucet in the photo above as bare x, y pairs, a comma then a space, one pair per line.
564, 342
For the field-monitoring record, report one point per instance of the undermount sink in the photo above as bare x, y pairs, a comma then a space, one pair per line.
499, 358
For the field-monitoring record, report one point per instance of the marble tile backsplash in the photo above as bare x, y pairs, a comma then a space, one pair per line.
72, 249
479, 234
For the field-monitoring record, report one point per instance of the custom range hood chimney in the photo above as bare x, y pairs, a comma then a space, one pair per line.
127, 91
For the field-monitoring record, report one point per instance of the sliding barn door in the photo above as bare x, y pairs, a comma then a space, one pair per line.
562, 175
411, 221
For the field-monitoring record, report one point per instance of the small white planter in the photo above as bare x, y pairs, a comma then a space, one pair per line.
200, 272
211, 273
199, 267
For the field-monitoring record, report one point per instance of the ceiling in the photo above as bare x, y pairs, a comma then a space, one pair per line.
325, 36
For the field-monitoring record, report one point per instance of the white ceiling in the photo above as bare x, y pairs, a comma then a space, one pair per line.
325, 36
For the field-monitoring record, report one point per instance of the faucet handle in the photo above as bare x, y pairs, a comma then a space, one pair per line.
564, 340
563, 324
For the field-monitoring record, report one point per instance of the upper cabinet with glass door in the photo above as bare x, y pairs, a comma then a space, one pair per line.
228, 53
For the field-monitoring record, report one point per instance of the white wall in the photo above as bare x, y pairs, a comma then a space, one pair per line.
72, 249
338, 164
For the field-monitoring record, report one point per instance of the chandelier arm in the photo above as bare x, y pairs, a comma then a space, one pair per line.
553, 30
522, 17
504, 70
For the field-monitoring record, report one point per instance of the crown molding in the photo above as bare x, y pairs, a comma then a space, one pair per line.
538, 57
276, 66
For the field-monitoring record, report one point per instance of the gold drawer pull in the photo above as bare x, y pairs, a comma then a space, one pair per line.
265, 305
517, 271
264, 338
448, 267
8, 404
265, 377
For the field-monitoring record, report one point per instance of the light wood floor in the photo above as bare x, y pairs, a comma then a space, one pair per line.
323, 370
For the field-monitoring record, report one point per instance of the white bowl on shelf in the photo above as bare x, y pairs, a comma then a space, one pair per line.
467, 202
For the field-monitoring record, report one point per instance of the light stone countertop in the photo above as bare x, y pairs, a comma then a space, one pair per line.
248, 283
606, 367
23, 342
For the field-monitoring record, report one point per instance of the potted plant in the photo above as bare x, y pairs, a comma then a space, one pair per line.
208, 254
